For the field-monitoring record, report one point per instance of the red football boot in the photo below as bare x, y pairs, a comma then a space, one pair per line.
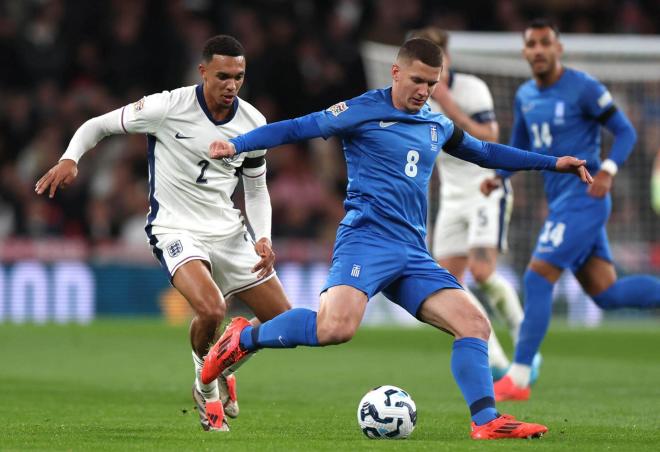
506, 426
226, 354
211, 414
227, 389
506, 389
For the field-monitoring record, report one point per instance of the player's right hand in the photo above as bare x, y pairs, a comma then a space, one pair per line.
59, 176
488, 185
568, 164
220, 149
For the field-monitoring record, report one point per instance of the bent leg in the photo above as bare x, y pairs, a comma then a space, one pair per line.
193, 279
450, 310
342, 308
266, 300
598, 278
500, 294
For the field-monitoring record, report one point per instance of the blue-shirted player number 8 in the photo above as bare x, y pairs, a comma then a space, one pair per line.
411, 166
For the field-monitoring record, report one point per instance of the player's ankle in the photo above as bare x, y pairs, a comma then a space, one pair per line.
520, 374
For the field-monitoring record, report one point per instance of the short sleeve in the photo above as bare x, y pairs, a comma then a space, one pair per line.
341, 118
145, 115
257, 155
481, 106
595, 99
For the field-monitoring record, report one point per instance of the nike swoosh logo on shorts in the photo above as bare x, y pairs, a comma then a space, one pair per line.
384, 124
180, 137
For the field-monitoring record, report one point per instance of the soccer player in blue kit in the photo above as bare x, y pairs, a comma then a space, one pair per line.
391, 140
558, 110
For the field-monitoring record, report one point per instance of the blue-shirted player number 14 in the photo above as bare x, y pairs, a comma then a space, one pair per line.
411, 166
542, 135
553, 232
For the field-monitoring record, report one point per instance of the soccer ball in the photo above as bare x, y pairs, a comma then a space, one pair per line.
387, 412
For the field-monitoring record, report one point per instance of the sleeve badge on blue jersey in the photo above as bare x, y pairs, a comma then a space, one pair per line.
338, 109
139, 105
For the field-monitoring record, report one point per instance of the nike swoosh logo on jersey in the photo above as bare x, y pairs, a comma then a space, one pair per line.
384, 124
178, 136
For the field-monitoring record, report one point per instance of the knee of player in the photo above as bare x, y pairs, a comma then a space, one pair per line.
477, 325
481, 271
212, 310
335, 332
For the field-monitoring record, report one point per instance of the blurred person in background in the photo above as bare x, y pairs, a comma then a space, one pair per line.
562, 110
471, 228
196, 233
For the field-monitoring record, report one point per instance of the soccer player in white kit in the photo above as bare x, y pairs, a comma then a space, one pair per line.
195, 232
471, 228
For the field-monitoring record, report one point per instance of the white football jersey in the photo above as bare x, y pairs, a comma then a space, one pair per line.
461, 179
187, 190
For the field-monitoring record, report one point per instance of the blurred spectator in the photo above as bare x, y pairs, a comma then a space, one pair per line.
67, 60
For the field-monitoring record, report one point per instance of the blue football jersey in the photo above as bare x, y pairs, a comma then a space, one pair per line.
563, 119
390, 156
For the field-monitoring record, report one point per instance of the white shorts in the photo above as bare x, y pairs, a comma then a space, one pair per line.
230, 258
479, 222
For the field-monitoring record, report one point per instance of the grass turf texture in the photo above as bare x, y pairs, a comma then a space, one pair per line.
125, 385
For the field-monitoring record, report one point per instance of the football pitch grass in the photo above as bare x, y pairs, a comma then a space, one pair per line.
125, 385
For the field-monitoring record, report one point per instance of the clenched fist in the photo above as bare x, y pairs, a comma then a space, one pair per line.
220, 149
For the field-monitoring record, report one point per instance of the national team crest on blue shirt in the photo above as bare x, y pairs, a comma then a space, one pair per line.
434, 137
175, 248
560, 109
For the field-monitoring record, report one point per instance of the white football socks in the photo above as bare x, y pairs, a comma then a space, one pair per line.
210, 391
504, 300
520, 374
496, 356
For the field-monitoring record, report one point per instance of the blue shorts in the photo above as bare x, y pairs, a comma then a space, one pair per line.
405, 273
570, 237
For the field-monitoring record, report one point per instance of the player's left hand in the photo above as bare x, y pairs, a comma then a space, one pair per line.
264, 249
220, 149
570, 164
602, 184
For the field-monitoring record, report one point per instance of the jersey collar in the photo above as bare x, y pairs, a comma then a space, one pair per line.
199, 90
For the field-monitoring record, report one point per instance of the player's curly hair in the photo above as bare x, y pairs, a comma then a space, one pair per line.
423, 50
222, 45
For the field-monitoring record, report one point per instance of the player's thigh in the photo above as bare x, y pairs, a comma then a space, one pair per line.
232, 260
193, 279
455, 265
482, 262
266, 300
450, 310
569, 237
186, 260
450, 237
421, 278
340, 313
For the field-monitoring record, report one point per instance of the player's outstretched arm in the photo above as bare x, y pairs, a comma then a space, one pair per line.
499, 156
268, 136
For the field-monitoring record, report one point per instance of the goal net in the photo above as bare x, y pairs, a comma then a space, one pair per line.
630, 67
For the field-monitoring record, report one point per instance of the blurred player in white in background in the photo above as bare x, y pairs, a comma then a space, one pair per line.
196, 233
471, 228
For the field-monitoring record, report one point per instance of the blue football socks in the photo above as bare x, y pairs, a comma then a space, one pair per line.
637, 291
287, 330
469, 364
538, 311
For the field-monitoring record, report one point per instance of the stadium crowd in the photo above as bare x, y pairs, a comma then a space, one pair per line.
68, 60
